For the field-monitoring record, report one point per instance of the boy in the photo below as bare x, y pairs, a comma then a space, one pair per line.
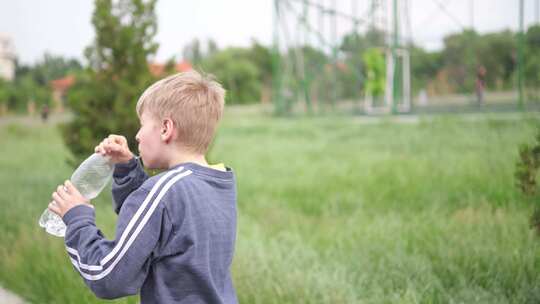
176, 231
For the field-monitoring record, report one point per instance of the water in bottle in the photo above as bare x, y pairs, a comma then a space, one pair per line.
89, 178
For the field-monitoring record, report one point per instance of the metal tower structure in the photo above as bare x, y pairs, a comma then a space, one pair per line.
317, 54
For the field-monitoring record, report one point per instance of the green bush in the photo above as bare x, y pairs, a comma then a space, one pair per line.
237, 72
526, 175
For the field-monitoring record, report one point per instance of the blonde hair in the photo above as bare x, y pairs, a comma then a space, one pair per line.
194, 103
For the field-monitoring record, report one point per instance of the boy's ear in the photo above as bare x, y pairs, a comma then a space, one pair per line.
167, 130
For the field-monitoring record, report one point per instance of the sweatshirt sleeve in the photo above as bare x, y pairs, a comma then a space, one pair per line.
126, 179
119, 267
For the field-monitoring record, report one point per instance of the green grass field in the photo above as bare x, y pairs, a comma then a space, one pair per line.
331, 210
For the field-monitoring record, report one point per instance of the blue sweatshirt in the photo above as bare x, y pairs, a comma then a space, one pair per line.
174, 240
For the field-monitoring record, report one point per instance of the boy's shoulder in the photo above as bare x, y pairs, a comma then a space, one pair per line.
191, 174
166, 179
188, 183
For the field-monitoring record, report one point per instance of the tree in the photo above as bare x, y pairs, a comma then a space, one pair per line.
5, 94
212, 47
192, 52
424, 67
104, 98
532, 62
24, 89
32, 83
261, 57
234, 68
495, 51
460, 59
53, 67
355, 43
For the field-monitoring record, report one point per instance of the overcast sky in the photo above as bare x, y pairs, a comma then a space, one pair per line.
63, 27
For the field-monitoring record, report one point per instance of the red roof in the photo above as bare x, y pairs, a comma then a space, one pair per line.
183, 66
157, 69
64, 83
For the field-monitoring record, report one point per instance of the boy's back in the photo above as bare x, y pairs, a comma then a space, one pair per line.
176, 235
194, 256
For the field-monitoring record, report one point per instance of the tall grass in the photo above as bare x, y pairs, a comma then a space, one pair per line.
331, 210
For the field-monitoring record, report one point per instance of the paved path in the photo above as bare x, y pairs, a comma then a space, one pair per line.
33, 120
7, 297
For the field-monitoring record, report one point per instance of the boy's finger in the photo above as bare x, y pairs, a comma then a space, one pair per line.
107, 144
70, 187
54, 207
110, 147
99, 148
59, 189
116, 147
58, 199
62, 191
118, 139
104, 148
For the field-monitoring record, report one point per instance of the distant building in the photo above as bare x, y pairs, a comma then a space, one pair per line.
158, 69
7, 58
59, 90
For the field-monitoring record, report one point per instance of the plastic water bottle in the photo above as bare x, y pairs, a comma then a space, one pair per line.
89, 178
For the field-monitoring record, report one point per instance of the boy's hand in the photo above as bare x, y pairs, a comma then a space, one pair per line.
65, 198
116, 147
